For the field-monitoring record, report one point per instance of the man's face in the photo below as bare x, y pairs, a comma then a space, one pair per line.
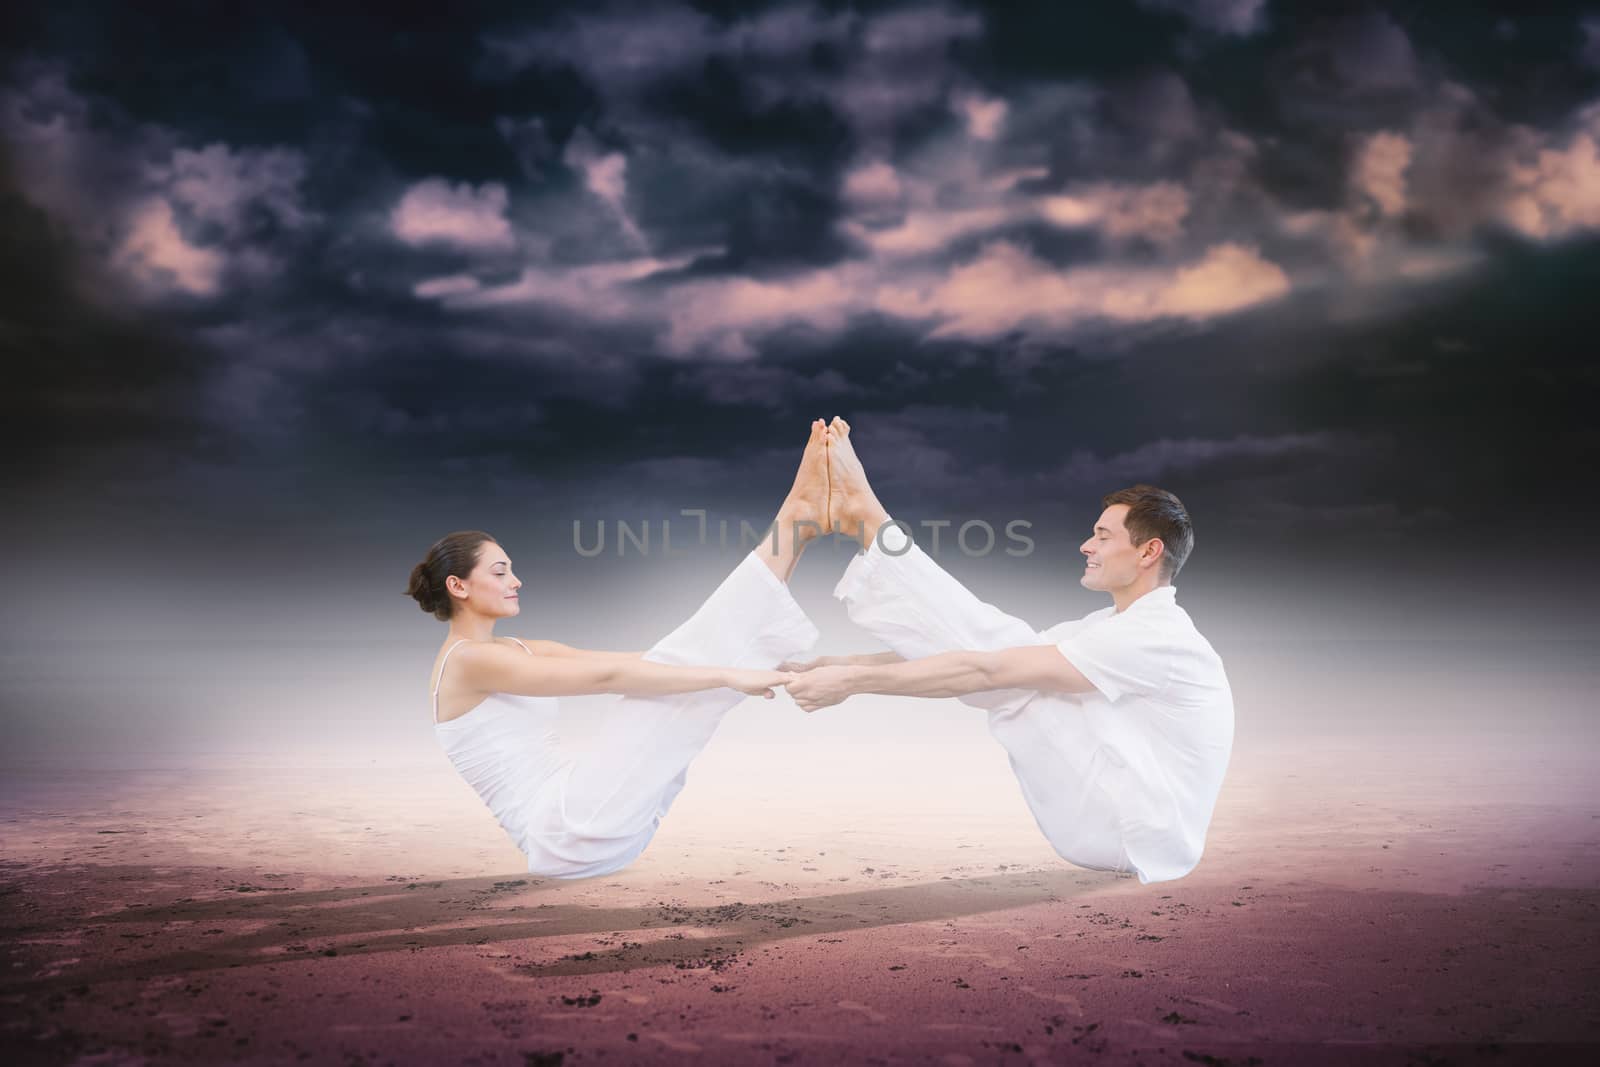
1110, 559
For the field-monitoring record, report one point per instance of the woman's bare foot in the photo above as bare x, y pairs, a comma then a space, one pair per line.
853, 507
804, 513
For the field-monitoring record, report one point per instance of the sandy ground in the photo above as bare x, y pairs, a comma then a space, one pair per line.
1357, 903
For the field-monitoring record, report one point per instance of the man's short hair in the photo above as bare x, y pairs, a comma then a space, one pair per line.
1155, 512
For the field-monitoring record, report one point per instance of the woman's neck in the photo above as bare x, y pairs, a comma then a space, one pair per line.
472, 628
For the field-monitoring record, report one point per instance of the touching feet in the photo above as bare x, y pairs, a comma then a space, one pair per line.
830, 495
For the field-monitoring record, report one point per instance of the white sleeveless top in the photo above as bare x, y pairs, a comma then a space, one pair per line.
505, 748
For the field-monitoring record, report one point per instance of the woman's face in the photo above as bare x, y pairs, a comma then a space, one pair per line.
491, 588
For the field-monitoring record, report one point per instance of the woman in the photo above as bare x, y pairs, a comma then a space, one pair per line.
495, 707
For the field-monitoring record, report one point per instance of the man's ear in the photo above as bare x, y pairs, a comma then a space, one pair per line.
1151, 551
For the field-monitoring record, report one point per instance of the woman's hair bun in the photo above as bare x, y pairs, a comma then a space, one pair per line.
456, 554
421, 590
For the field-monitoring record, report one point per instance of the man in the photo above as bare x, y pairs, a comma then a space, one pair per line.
1119, 725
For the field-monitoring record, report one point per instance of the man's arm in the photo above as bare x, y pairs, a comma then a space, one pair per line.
949, 674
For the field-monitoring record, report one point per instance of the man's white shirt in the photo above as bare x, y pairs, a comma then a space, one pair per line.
1163, 713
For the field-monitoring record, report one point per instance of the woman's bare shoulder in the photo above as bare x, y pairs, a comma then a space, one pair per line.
467, 657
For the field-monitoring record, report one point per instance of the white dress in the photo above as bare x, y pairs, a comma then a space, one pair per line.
1123, 778
575, 816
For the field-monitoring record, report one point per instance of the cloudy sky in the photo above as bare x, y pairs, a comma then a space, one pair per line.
304, 286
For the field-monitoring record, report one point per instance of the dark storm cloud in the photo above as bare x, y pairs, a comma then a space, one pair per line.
1529, 62
84, 378
1300, 263
1239, 18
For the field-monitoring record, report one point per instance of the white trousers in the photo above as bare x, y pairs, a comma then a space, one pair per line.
597, 813
915, 607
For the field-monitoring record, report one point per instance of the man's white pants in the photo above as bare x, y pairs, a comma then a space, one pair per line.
915, 607
597, 812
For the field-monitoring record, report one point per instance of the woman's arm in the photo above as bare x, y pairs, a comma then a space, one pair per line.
490, 668
556, 648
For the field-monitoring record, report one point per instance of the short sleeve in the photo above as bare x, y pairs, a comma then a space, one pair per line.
1124, 655
1058, 631
1071, 626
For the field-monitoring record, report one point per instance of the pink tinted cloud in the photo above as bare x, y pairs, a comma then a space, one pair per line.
1004, 289
448, 285
1229, 278
132, 194
155, 253
873, 185
1379, 173
220, 185
1459, 167
929, 230
168, 219
1119, 211
435, 211
605, 174
724, 313
594, 291
1007, 288
1557, 192
984, 115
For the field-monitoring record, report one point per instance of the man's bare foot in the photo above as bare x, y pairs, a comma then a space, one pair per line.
805, 513
853, 507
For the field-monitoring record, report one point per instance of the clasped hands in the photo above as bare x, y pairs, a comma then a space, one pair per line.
822, 682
